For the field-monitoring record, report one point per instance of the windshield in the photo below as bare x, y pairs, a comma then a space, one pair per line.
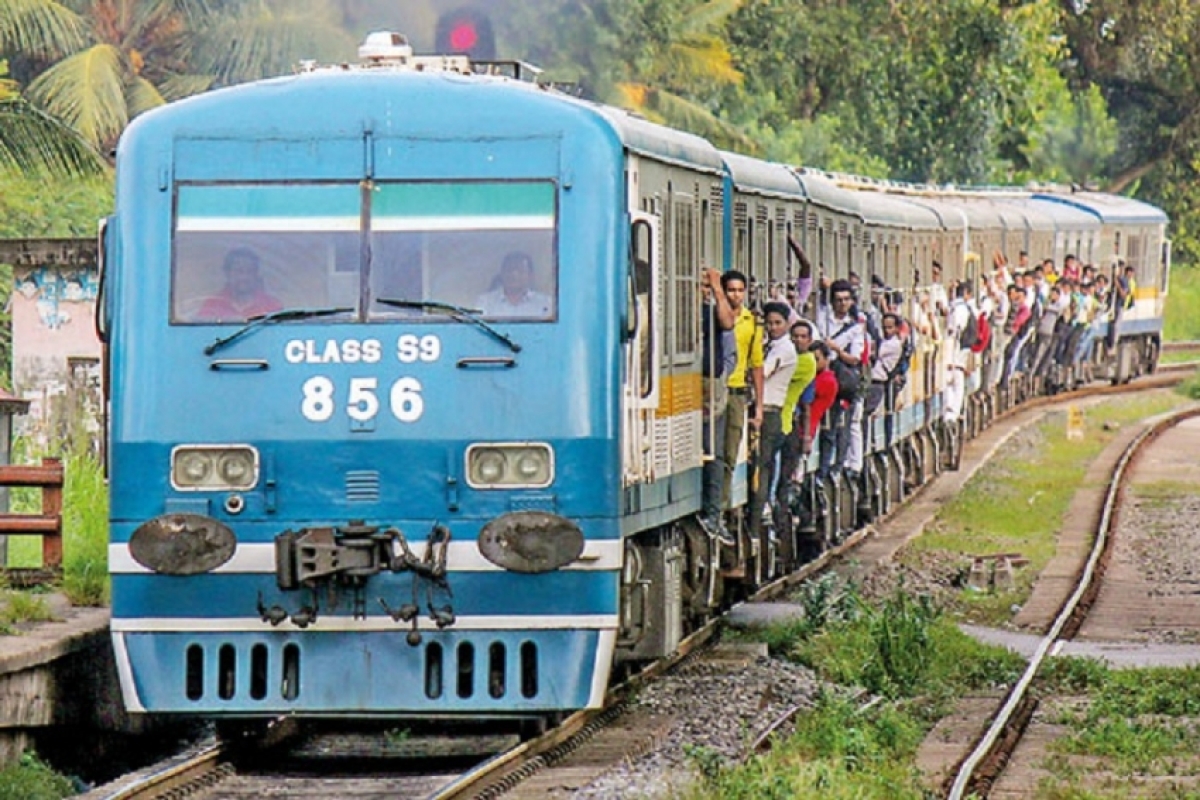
247, 250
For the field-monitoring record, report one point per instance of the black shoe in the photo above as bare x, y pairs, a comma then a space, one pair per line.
716, 528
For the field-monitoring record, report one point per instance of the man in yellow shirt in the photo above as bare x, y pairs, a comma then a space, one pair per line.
749, 364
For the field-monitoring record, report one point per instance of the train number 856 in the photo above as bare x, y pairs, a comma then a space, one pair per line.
362, 402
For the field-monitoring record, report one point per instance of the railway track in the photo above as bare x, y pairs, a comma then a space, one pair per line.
218, 770
979, 771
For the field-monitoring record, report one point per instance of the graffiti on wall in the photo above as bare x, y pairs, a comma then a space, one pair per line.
50, 287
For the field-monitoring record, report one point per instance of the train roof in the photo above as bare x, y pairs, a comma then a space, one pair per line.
763, 177
879, 208
1110, 208
642, 136
269, 101
1009, 215
951, 216
1063, 216
824, 192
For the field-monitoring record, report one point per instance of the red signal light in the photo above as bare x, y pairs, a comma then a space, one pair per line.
463, 37
465, 30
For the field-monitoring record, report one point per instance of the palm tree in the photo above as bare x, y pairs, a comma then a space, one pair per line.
106, 61
691, 59
34, 143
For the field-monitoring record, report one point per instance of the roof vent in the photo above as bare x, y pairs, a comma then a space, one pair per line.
385, 47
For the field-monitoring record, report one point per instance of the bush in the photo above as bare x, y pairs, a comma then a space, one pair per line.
31, 779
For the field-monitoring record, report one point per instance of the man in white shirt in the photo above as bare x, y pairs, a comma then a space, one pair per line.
884, 369
779, 362
846, 335
515, 296
962, 310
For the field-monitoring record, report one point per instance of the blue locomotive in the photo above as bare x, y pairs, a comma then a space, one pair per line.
405, 383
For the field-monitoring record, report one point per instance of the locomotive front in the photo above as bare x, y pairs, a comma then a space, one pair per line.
363, 342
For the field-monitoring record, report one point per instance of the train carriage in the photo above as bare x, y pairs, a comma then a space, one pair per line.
1131, 232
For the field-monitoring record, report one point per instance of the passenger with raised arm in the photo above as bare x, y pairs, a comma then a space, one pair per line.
244, 294
514, 295
747, 374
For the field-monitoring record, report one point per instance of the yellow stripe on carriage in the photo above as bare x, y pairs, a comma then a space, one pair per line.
679, 394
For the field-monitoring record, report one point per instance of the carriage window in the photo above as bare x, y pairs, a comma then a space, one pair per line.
246, 250
486, 246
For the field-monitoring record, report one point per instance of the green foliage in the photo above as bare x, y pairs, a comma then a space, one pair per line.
1069, 675
904, 648
32, 208
1181, 322
85, 528
32, 779
1190, 387
839, 750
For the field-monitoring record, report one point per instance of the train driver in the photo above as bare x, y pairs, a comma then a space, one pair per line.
513, 294
244, 295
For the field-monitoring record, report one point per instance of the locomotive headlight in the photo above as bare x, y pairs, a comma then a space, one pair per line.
516, 465
194, 467
489, 466
534, 466
214, 467
236, 466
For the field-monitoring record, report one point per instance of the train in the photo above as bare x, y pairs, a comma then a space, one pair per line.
403, 378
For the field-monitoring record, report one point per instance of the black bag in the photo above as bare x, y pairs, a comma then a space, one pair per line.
968, 337
849, 379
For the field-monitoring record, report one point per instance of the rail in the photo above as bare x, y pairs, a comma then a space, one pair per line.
49, 477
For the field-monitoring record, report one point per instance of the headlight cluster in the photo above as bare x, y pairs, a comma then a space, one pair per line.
510, 466
214, 467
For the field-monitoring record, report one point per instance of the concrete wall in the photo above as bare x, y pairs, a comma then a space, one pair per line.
55, 350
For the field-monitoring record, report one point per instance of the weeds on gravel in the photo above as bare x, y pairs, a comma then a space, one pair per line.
17, 607
1137, 722
840, 749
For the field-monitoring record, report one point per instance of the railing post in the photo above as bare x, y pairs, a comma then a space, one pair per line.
52, 549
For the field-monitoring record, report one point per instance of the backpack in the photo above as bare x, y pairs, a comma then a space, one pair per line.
898, 374
983, 335
968, 337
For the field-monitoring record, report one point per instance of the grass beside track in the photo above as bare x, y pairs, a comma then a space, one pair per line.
1129, 732
912, 661
1017, 502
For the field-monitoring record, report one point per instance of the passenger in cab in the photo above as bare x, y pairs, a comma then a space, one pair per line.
244, 294
513, 294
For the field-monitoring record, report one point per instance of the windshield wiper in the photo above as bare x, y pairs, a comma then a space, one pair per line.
282, 315
459, 313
